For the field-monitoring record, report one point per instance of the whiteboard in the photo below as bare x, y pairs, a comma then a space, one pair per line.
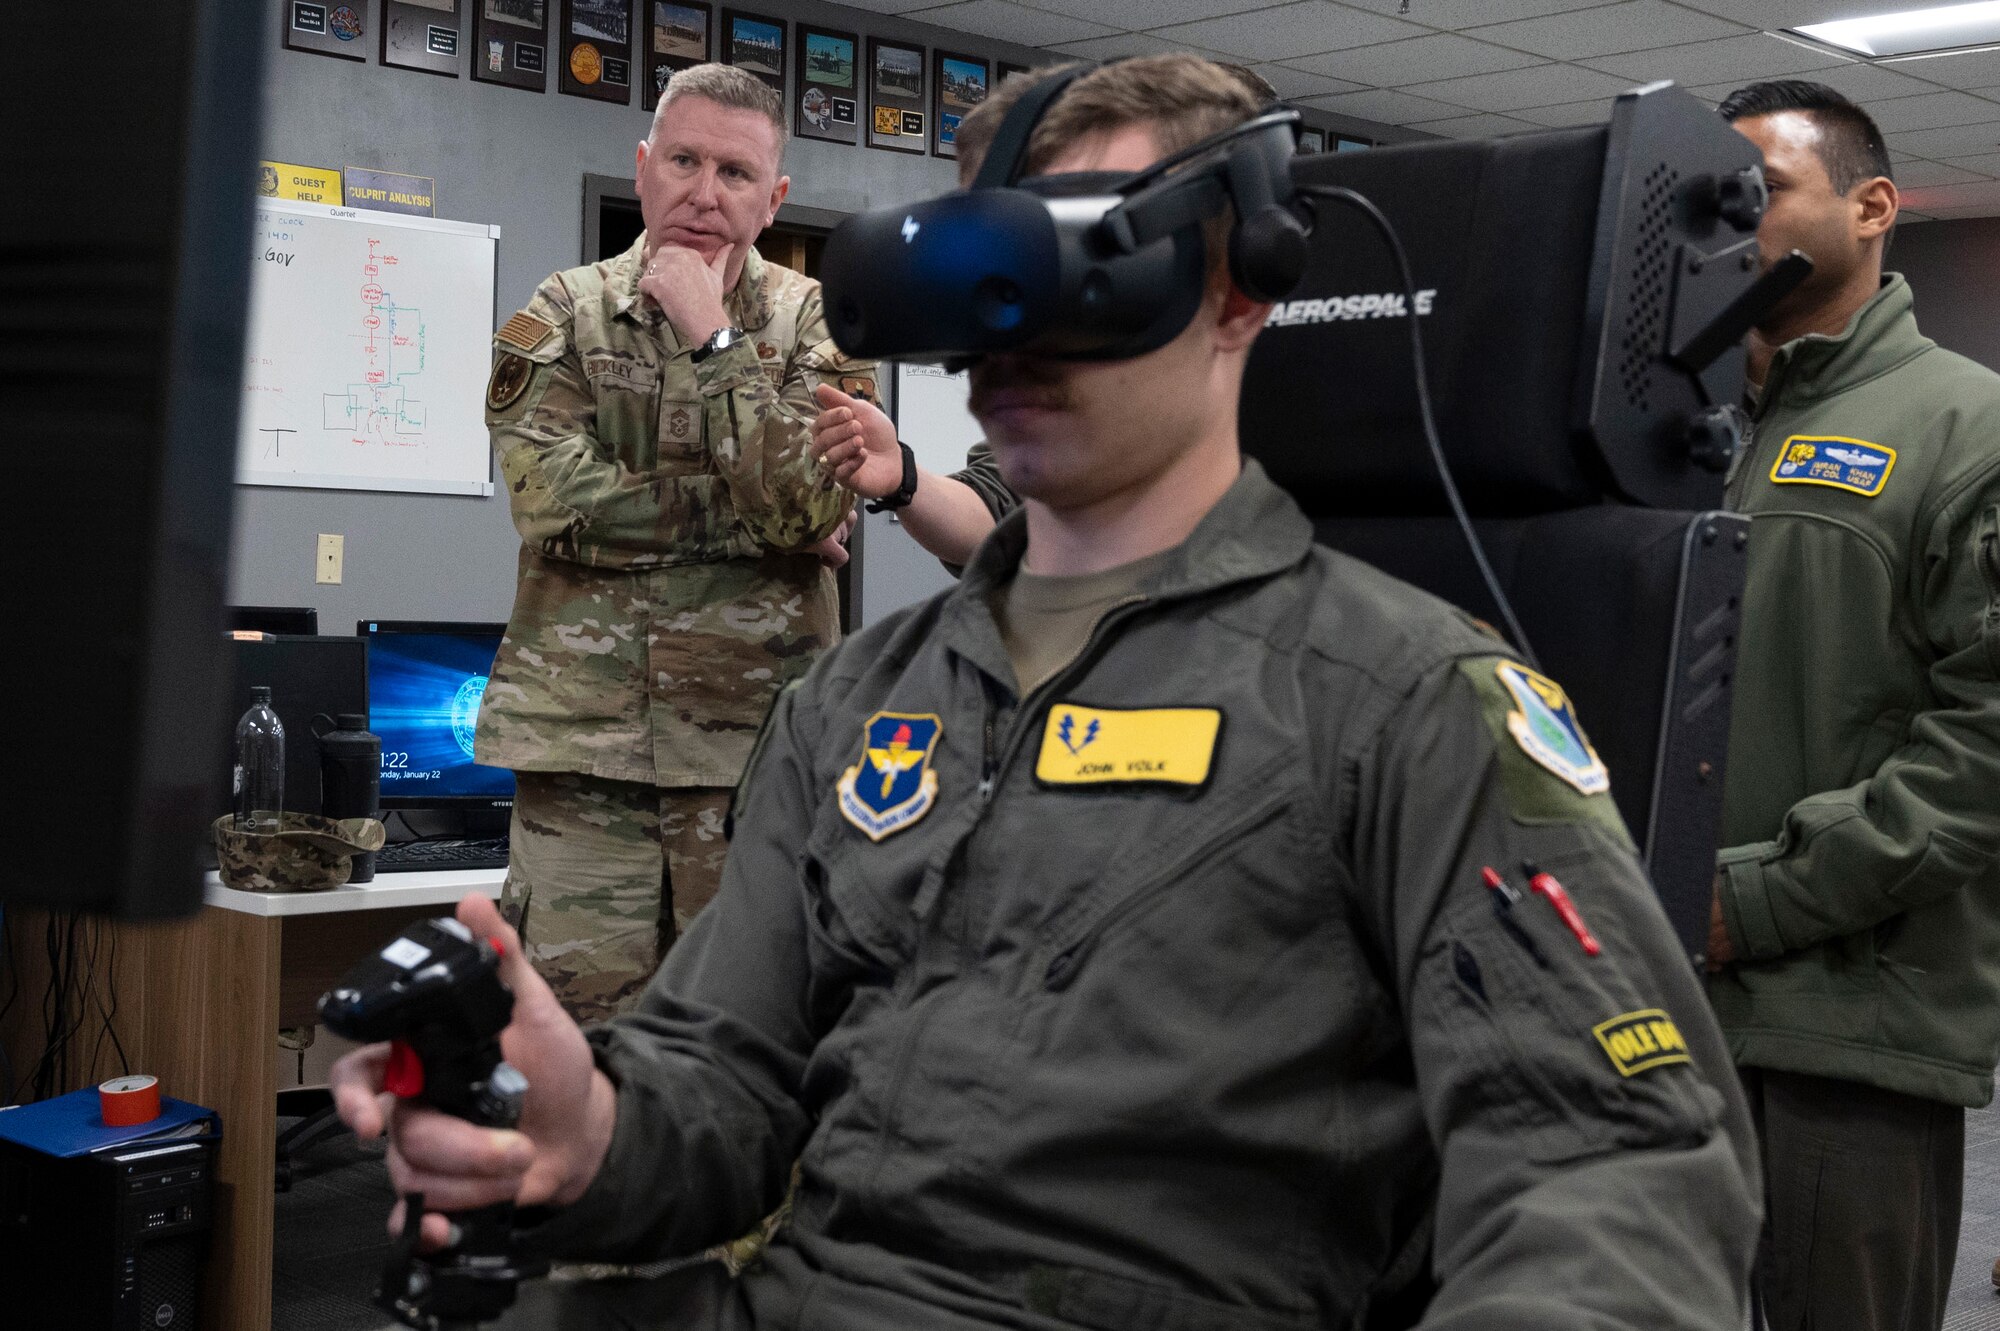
931, 416
367, 354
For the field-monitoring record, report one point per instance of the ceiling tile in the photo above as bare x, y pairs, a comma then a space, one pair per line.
1481, 125
1418, 60
890, 6
1945, 144
1755, 56
1541, 85
1637, 26
1921, 175
1987, 164
1858, 82
1124, 44
1453, 14
1966, 69
1974, 194
1013, 23
1292, 83
1596, 111
1772, 14
1386, 105
1137, 14
1933, 111
1306, 28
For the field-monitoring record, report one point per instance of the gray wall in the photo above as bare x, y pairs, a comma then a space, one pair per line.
1954, 272
518, 159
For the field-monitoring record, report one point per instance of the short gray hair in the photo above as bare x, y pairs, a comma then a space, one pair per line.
725, 85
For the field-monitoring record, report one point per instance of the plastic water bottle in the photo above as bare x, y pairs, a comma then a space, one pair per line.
260, 765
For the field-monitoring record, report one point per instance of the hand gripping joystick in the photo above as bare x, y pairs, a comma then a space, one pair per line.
435, 994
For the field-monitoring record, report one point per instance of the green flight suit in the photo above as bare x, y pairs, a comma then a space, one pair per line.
1170, 996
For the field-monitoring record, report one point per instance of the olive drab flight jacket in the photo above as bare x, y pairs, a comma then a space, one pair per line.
1860, 879
664, 508
1171, 996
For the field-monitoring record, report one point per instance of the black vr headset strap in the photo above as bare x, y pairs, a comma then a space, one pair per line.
1007, 154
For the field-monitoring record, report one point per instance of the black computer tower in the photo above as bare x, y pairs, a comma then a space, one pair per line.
110, 1241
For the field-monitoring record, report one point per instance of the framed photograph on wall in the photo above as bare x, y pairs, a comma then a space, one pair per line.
829, 85
326, 27
1343, 144
678, 36
1312, 141
596, 46
756, 43
896, 115
958, 83
421, 35
510, 43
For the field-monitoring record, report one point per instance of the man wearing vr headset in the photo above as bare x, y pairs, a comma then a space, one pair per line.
1164, 928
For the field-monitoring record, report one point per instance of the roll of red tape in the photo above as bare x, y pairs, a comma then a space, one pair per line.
126, 1101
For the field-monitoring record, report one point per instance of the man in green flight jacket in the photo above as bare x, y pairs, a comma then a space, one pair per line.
1855, 940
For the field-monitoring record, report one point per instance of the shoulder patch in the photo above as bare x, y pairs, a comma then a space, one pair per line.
525, 332
1548, 771
1545, 726
1832, 460
510, 379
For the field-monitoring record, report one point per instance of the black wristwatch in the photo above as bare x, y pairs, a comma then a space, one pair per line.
722, 339
906, 492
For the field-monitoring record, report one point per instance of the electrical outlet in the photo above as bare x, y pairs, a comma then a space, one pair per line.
332, 549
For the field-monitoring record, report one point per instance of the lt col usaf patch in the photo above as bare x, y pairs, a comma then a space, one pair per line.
1854, 465
1545, 726
893, 784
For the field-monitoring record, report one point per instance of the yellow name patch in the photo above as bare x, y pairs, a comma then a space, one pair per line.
1641, 1040
1089, 746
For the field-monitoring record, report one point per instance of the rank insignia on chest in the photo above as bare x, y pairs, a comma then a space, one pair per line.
893, 785
680, 423
1095, 746
1545, 726
1854, 465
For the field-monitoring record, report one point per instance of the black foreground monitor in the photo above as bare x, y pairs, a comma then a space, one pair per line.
122, 362
425, 681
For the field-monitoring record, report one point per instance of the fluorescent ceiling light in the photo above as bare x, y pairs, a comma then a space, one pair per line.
1916, 30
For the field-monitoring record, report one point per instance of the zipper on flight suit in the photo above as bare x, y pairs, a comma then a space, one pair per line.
990, 765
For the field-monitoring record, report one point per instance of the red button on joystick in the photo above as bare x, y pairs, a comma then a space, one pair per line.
405, 1074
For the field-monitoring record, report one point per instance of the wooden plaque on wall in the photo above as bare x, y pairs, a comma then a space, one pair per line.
827, 102
896, 114
679, 35
596, 46
510, 43
755, 42
326, 27
423, 35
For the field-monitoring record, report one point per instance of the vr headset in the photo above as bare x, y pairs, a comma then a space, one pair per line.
1083, 266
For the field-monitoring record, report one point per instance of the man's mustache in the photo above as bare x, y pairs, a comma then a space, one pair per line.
1000, 381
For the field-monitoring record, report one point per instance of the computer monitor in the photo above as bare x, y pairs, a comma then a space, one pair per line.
298, 620
126, 355
425, 680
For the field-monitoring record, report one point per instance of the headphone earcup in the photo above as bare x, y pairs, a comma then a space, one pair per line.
1268, 251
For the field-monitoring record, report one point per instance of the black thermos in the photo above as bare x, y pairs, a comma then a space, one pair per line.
350, 776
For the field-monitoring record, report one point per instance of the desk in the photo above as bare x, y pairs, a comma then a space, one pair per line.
199, 1004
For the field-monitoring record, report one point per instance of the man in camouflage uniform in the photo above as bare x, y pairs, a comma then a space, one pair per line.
652, 416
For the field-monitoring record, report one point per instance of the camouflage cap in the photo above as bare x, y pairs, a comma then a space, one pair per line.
306, 853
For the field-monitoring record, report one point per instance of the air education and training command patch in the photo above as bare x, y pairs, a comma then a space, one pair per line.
1854, 465
893, 784
1545, 726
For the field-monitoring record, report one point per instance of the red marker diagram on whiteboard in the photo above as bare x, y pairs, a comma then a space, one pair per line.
382, 407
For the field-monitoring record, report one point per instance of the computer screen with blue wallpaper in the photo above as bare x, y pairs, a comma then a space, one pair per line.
425, 680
